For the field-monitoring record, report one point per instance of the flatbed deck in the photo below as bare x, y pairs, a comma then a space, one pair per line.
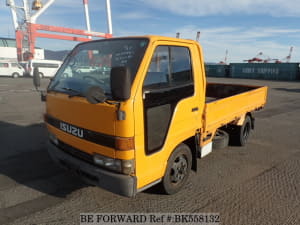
227, 103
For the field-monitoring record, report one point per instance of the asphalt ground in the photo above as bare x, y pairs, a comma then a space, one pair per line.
256, 184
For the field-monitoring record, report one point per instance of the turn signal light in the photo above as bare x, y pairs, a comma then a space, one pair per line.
124, 144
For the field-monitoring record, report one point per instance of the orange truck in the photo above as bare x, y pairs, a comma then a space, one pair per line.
141, 112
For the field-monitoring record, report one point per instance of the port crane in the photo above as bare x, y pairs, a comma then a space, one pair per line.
27, 30
259, 58
225, 59
286, 59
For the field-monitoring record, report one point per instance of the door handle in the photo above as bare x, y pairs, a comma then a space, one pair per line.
195, 109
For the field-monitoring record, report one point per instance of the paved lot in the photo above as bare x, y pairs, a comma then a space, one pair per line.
257, 184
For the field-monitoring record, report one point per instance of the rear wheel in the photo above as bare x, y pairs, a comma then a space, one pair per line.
240, 134
178, 169
15, 75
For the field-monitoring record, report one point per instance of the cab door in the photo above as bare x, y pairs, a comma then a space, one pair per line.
167, 100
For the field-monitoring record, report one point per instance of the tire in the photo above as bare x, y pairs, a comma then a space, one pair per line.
239, 134
178, 169
220, 140
15, 75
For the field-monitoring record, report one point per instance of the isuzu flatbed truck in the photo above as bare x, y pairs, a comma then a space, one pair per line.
142, 112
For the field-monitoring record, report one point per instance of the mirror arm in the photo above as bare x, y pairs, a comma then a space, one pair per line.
113, 103
121, 115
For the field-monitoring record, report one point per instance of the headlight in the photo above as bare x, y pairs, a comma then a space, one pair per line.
118, 165
53, 138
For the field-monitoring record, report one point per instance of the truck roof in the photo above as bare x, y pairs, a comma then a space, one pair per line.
152, 38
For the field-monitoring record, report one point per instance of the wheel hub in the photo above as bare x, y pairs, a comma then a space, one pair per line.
246, 131
179, 169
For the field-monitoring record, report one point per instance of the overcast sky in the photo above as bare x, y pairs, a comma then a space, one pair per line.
244, 27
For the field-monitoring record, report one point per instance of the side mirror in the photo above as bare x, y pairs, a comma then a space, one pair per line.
120, 83
36, 78
37, 83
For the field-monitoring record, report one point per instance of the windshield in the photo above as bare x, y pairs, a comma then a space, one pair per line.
89, 64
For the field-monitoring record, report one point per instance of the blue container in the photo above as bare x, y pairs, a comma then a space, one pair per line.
217, 70
266, 71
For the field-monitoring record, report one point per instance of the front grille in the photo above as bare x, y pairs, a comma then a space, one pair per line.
75, 152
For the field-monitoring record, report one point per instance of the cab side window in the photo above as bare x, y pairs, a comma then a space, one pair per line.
5, 65
181, 70
158, 71
170, 67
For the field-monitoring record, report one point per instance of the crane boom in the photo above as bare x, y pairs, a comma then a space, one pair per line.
288, 58
27, 29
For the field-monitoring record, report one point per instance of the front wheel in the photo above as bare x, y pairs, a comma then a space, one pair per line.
15, 75
178, 169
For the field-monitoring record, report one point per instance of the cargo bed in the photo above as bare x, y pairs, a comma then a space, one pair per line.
227, 103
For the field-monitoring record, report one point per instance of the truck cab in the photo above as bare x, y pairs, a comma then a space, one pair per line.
137, 118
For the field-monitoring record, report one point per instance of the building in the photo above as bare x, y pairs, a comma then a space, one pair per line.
8, 50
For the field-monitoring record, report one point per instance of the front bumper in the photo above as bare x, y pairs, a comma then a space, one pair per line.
117, 183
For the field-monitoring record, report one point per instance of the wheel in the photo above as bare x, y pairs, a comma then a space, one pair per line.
178, 169
15, 75
240, 134
220, 140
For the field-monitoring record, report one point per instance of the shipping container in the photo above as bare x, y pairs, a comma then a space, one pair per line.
216, 70
266, 71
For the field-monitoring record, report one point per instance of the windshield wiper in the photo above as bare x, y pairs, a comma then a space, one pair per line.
75, 92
